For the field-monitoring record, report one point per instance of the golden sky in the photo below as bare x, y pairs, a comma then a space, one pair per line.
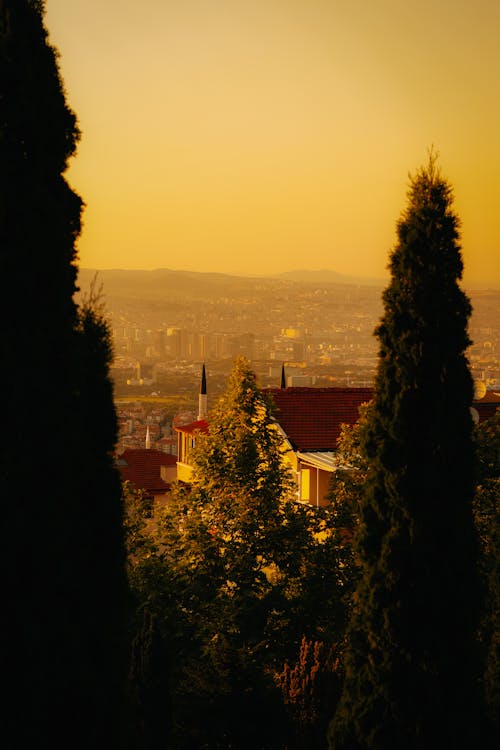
258, 136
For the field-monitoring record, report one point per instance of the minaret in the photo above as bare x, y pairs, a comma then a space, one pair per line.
148, 439
283, 379
202, 398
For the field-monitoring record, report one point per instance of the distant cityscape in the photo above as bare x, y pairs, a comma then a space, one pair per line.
165, 324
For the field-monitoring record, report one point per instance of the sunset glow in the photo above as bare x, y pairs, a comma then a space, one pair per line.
268, 135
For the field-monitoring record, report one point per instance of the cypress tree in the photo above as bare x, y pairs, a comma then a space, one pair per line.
411, 670
64, 589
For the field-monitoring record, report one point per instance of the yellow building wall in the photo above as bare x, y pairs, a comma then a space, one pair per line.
184, 472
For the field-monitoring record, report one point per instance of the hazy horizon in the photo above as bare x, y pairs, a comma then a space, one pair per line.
317, 275
255, 137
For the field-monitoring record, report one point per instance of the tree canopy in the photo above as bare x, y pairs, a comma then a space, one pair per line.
412, 667
241, 574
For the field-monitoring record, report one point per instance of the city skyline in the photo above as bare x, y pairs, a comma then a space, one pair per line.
253, 138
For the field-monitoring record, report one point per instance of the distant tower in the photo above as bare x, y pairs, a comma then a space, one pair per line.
202, 398
148, 439
283, 379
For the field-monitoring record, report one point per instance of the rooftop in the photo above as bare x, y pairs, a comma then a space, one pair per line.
142, 467
312, 417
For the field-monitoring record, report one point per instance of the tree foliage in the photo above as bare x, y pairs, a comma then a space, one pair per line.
346, 493
62, 558
245, 573
411, 670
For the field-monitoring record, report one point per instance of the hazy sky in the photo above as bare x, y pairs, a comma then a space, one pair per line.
255, 136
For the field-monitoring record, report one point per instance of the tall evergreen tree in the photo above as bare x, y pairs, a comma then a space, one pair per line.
61, 554
412, 673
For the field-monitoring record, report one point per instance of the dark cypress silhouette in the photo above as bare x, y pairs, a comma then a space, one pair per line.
62, 559
411, 670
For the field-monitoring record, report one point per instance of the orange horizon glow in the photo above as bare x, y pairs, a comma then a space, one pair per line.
271, 135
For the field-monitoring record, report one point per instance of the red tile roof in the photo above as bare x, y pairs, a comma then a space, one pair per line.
312, 417
142, 467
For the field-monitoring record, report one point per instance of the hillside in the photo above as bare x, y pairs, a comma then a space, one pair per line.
164, 283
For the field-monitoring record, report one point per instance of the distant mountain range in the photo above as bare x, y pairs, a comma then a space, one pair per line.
187, 284
175, 285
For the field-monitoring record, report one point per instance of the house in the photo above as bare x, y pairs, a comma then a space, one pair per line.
311, 420
149, 470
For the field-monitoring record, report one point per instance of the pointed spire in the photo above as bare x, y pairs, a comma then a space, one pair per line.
148, 439
202, 398
283, 378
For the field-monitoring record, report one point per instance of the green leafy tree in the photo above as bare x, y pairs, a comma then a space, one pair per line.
62, 561
242, 486
411, 668
346, 493
245, 572
230, 544
271, 545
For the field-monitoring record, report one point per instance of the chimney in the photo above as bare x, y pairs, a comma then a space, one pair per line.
283, 379
202, 398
